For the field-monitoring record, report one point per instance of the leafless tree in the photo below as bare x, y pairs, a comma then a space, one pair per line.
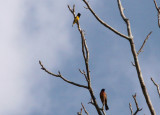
85, 72
85, 52
130, 38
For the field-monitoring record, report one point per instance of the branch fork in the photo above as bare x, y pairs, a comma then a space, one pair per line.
130, 106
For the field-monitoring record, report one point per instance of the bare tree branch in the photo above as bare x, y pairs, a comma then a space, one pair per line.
84, 109
133, 49
138, 109
158, 90
103, 23
60, 76
72, 10
86, 59
91, 102
158, 10
125, 19
133, 64
84, 74
159, 18
140, 50
103, 111
156, 5
130, 106
79, 113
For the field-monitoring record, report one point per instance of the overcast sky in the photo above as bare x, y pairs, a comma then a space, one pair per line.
33, 30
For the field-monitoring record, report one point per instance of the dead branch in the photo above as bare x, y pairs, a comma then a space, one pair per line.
79, 113
140, 50
138, 109
84, 109
103, 111
158, 11
60, 76
133, 64
126, 20
103, 23
158, 90
156, 5
159, 18
83, 73
133, 49
130, 106
85, 52
91, 102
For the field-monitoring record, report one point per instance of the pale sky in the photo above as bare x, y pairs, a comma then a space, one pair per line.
33, 30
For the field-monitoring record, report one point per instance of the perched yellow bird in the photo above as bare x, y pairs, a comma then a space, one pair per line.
76, 19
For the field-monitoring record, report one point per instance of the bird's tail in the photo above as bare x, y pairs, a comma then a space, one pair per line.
106, 106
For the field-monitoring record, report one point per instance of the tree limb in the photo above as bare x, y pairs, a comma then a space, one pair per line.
130, 106
159, 18
140, 50
158, 10
60, 76
84, 109
133, 49
83, 74
103, 111
158, 90
137, 65
125, 19
85, 52
103, 23
138, 109
156, 5
133, 64
79, 113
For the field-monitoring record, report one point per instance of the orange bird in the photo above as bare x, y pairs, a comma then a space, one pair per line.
103, 97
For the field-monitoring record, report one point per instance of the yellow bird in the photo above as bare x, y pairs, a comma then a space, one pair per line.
76, 19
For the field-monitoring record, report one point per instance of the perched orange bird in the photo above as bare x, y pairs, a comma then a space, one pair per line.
103, 97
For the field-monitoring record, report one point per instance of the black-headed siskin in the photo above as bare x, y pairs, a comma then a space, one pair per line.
76, 19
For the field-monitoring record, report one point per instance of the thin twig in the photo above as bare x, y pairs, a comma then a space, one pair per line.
91, 102
60, 76
130, 106
126, 20
158, 10
140, 50
133, 64
85, 7
159, 18
103, 23
79, 113
83, 74
158, 90
138, 109
102, 109
84, 109
156, 5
